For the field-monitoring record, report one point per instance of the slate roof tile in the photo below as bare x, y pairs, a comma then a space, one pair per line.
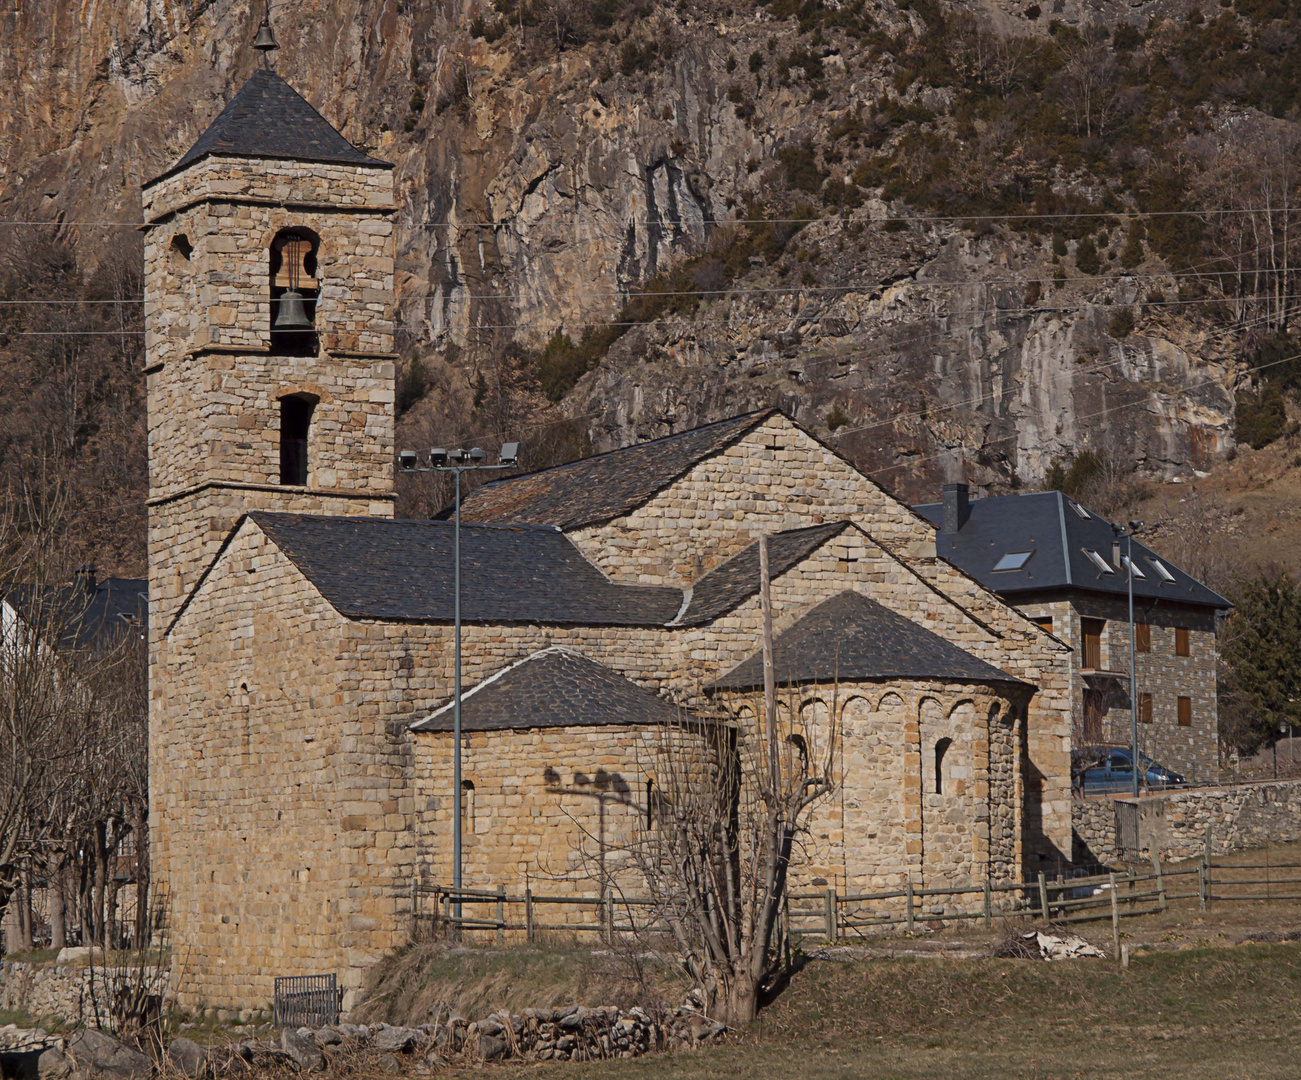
267, 118
604, 487
852, 638
552, 688
378, 568
726, 586
1048, 524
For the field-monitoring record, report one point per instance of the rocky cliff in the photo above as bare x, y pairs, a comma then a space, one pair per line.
763, 170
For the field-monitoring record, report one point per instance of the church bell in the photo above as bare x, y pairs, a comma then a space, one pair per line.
291, 315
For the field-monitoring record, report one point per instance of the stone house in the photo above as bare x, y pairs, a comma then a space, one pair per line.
301, 656
1063, 566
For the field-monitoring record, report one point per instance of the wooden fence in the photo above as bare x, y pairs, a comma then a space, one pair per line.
834, 916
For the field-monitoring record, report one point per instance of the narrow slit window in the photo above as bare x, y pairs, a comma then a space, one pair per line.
941, 749
650, 804
1013, 560
295, 424
1098, 561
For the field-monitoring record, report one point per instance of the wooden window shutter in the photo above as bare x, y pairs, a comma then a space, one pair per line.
1142, 637
1182, 643
1145, 708
1091, 631
1185, 712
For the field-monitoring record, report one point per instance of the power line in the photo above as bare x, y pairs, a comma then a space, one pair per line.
647, 222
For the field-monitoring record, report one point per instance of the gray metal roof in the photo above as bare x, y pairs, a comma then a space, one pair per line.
402, 571
1050, 525
852, 638
267, 118
552, 688
606, 486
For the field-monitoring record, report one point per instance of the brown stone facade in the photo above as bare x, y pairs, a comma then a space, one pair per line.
1101, 696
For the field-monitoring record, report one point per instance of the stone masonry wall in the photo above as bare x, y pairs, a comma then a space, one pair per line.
1192, 750
1173, 823
778, 477
229, 210
282, 768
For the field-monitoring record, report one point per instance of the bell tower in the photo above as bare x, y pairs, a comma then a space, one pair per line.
269, 331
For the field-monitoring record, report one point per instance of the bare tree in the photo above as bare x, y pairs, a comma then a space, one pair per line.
731, 802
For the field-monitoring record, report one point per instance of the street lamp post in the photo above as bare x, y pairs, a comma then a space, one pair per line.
1134, 527
457, 462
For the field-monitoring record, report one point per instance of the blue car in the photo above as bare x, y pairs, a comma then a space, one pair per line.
1103, 770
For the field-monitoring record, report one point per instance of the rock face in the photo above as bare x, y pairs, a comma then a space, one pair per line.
540, 186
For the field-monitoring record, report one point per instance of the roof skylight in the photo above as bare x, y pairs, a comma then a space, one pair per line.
1013, 560
1103, 566
1133, 566
1161, 570
1080, 510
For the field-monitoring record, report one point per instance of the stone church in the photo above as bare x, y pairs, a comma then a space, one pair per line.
301, 636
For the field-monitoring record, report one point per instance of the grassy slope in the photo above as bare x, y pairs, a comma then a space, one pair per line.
1204, 1013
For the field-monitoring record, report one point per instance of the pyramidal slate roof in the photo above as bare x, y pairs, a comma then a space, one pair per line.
552, 688
267, 118
1058, 533
606, 486
402, 571
851, 638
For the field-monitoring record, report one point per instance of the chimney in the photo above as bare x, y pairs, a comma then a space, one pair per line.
957, 508
84, 579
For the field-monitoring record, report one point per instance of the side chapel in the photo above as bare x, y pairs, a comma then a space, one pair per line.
301, 637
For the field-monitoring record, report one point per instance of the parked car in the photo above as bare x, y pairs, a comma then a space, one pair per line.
1100, 770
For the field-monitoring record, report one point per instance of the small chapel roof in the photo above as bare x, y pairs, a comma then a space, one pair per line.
850, 638
267, 118
552, 688
606, 486
402, 571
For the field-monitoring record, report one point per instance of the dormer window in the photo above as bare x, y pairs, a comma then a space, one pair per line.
1013, 560
294, 289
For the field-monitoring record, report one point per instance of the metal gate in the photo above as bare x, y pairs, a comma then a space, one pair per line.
306, 1001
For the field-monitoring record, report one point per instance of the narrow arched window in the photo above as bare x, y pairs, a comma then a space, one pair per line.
295, 426
294, 291
650, 804
941, 748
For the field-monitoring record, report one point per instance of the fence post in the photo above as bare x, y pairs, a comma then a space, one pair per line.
786, 928
1206, 877
1115, 918
989, 915
1043, 897
831, 915
909, 894
1160, 881
501, 914
528, 914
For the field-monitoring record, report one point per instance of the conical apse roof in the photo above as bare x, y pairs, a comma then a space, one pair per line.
269, 119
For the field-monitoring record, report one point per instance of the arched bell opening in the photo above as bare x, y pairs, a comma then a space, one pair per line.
294, 291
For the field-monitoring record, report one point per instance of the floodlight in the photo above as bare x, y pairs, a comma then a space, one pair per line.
1135, 526
477, 454
437, 456
509, 453
406, 459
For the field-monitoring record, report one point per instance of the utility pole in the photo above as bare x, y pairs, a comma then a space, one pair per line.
1134, 526
457, 462
769, 682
